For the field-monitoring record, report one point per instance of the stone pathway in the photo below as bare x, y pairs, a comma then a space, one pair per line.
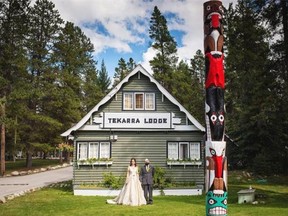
11, 187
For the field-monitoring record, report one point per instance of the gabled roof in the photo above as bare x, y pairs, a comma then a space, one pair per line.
139, 68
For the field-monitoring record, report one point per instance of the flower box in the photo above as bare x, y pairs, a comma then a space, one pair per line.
96, 163
184, 163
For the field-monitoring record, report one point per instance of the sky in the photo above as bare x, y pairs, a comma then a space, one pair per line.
119, 28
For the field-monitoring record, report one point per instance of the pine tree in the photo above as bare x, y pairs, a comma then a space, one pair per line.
120, 72
131, 64
36, 124
188, 90
103, 78
275, 16
92, 90
166, 59
13, 63
123, 69
73, 61
198, 66
249, 99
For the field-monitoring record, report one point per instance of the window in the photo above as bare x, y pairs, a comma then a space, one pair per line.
105, 150
93, 150
183, 151
173, 150
149, 101
97, 150
82, 151
195, 151
128, 101
138, 101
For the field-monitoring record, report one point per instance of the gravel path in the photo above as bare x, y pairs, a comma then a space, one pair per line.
11, 187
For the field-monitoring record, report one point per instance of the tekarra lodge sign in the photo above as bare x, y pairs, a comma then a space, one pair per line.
215, 145
137, 120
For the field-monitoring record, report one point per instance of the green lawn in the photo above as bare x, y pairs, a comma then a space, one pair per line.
20, 164
60, 201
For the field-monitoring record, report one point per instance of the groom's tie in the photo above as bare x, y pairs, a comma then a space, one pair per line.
147, 168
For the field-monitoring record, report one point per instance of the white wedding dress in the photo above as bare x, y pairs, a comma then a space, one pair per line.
132, 193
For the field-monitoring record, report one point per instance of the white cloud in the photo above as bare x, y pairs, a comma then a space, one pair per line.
127, 22
147, 56
102, 42
119, 18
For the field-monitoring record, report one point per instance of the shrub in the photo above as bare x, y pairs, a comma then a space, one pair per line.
263, 165
159, 177
111, 181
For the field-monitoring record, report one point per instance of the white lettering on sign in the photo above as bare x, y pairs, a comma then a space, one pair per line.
137, 120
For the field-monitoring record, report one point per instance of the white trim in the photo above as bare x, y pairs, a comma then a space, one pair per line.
184, 163
139, 68
176, 128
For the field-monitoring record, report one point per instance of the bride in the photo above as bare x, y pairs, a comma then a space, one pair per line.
132, 192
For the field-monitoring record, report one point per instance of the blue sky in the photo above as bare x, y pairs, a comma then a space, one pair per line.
119, 28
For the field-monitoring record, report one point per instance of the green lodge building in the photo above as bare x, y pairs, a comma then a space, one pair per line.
139, 119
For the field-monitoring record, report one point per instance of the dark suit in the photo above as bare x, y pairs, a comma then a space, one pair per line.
146, 178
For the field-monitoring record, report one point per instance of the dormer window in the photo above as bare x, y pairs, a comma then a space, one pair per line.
138, 101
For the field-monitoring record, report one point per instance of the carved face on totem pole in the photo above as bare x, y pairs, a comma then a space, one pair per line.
216, 178
216, 162
216, 167
215, 81
213, 28
216, 204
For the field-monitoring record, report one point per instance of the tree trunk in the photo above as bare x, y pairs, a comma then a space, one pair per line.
15, 139
2, 149
29, 159
65, 156
60, 156
3, 141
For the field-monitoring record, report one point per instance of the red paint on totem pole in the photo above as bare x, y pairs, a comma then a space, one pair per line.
215, 21
218, 166
215, 76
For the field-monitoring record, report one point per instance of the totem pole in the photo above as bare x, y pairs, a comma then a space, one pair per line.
216, 163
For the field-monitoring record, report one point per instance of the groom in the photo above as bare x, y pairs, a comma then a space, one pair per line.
146, 178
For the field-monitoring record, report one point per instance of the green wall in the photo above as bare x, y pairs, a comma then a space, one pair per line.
139, 144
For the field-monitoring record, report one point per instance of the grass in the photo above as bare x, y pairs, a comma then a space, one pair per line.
59, 200
20, 164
